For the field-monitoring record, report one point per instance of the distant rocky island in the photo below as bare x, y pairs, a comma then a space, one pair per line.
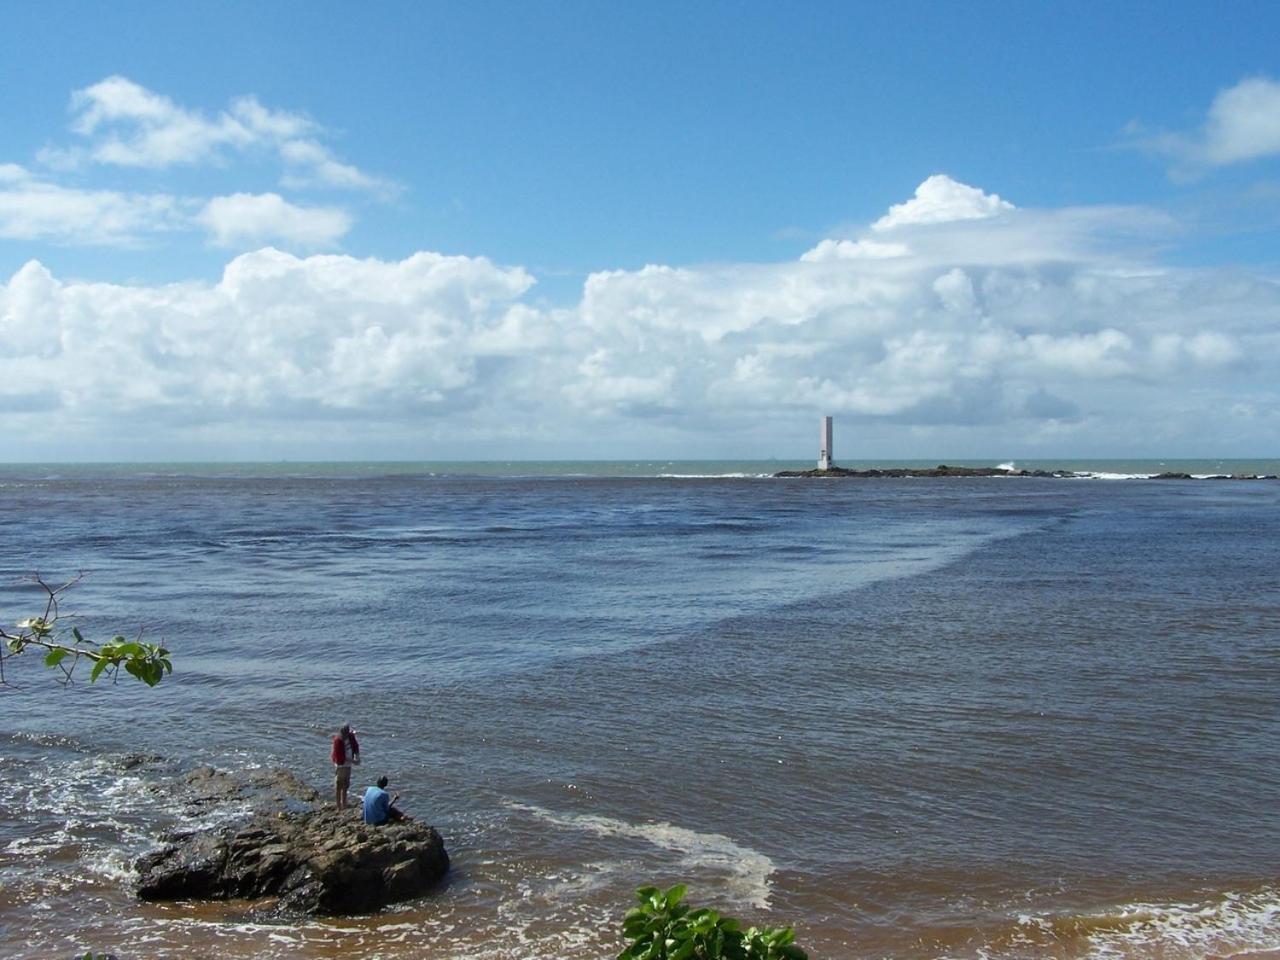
942, 470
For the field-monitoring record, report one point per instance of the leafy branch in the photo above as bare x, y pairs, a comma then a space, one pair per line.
64, 649
664, 928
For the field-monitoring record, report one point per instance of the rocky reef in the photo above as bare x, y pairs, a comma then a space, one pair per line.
292, 851
942, 470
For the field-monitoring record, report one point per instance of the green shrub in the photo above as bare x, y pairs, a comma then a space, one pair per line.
662, 928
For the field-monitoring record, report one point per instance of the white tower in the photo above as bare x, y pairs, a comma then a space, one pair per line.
824, 445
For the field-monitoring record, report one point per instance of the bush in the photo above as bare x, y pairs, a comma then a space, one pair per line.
662, 928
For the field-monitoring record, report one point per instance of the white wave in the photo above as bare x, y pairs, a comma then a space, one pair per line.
1232, 923
713, 476
1099, 475
747, 870
114, 864
1010, 466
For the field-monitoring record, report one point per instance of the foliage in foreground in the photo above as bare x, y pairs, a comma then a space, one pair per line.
663, 928
64, 649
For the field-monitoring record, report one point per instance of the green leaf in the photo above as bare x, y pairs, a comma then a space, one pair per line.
98, 667
676, 894
75, 632
54, 657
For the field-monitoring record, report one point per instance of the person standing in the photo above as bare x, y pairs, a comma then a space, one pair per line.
344, 754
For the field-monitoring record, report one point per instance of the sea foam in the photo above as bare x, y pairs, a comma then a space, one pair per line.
746, 871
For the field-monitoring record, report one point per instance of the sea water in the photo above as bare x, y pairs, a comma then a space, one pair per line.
999, 717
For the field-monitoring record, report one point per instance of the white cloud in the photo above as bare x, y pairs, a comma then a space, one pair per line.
244, 219
310, 164
984, 316
128, 125
965, 334
34, 209
939, 199
1243, 124
278, 336
854, 250
132, 126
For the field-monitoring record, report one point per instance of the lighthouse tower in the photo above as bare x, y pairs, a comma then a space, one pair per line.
824, 445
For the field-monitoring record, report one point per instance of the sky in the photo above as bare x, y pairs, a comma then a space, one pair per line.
424, 231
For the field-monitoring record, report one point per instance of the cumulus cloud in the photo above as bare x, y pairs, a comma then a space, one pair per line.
243, 219
1242, 124
939, 199
976, 314
126, 125
960, 333
277, 336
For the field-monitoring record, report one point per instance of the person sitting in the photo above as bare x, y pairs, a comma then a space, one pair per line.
380, 806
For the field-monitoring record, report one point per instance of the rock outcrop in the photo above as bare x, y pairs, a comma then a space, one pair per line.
942, 470
309, 860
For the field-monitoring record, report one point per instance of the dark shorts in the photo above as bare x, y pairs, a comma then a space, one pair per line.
342, 777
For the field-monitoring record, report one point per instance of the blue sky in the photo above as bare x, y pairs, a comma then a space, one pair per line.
561, 223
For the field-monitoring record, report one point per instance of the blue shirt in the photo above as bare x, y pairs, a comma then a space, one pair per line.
376, 804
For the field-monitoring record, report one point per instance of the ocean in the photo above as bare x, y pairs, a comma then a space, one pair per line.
925, 718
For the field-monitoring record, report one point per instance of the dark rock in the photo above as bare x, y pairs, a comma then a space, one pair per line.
316, 861
184, 870
942, 470
132, 761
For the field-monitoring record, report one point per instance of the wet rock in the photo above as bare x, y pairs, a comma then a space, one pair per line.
941, 470
316, 861
132, 761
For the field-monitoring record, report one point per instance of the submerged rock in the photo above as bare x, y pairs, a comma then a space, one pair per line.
315, 862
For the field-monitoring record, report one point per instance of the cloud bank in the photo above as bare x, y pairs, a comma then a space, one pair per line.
956, 321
